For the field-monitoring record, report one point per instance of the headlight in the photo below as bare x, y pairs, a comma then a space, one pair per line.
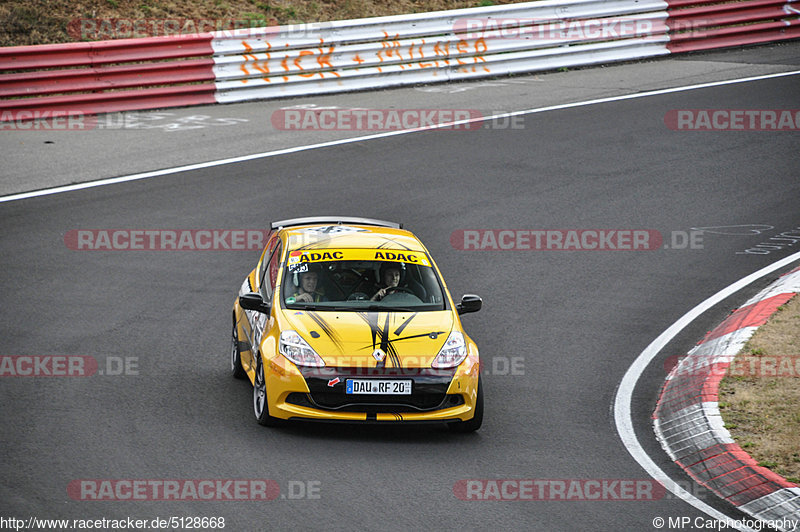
293, 347
453, 352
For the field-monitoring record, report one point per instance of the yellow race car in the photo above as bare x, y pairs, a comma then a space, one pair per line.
348, 319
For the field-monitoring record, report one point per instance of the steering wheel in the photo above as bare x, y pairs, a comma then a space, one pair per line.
357, 296
394, 289
397, 290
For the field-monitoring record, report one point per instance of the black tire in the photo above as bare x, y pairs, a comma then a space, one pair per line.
260, 406
471, 425
237, 371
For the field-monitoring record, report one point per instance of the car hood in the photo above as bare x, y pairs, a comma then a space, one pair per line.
350, 339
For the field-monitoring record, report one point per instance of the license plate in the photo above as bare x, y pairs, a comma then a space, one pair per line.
378, 386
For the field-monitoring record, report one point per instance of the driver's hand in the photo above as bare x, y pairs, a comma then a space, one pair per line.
379, 295
305, 297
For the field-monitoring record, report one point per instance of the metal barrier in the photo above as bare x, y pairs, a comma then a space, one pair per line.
708, 25
240, 65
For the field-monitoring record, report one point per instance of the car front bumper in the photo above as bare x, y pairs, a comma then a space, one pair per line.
319, 393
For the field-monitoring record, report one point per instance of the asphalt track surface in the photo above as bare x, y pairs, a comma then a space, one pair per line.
577, 319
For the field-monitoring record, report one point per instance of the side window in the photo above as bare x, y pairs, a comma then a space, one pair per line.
270, 275
271, 243
431, 285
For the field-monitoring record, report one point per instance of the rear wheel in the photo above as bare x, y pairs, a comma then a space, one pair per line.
237, 371
471, 425
260, 407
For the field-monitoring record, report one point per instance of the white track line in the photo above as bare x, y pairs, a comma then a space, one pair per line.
243, 158
622, 401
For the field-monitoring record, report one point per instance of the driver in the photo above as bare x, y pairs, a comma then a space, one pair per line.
390, 279
307, 291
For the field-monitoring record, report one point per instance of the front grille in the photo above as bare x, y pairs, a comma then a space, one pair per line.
428, 390
304, 399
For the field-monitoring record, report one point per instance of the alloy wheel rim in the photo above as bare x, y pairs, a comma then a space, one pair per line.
259, 392
234, 345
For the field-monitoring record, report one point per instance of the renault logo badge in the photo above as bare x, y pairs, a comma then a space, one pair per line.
378, 355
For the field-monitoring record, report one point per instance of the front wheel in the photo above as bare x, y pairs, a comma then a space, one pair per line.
471, 425
260, 407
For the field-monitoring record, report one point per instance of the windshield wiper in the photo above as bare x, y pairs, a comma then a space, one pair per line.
381, 308
295, 306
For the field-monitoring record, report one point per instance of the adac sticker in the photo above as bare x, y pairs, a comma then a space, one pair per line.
401, 256
303, 256
317, 256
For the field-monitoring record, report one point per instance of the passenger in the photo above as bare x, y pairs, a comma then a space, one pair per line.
307, 291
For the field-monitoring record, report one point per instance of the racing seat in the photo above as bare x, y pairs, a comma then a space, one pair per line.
416, 287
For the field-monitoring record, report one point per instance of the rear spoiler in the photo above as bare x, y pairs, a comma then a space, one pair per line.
334, 220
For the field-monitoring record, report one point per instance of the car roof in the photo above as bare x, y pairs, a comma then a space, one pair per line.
334, 220
326, 235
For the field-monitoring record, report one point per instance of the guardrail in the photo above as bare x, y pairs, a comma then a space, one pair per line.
707, 25
240, 65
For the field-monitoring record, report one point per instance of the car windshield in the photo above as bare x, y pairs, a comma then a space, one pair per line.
361, 279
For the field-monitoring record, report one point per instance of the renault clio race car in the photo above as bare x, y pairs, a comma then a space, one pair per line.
348, 319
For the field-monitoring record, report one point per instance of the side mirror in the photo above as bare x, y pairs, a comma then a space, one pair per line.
469, 303
253, 301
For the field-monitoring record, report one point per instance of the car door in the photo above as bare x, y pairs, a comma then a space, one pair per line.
257, 321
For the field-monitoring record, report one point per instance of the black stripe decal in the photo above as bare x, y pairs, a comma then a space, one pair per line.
434, 333
317, 244
404, 324
332, 334
381, 334
391, 240
387, 346
371, 318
